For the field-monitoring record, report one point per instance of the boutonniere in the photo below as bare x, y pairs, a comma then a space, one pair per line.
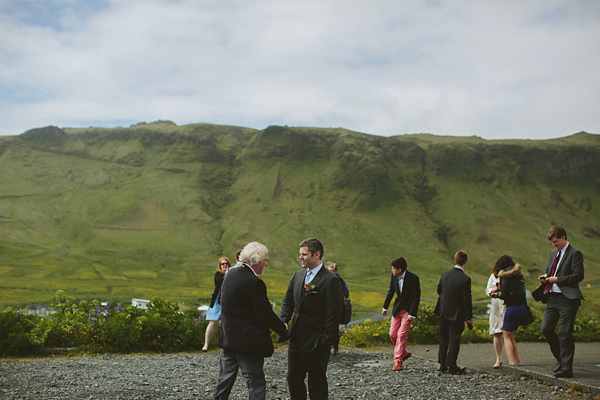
308, 289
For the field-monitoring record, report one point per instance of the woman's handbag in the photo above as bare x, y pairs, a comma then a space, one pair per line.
539, 295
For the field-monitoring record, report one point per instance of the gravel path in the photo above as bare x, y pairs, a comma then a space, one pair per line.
353, 374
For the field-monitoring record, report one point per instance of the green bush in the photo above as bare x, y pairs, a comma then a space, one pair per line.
425, 330
159, 328
15, 333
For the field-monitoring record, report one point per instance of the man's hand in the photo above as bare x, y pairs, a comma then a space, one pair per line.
384, 313
551, 280
542, 278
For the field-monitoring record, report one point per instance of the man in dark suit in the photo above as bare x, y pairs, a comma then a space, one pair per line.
246, 316
564, 271
454, 307
314, 298
407, 288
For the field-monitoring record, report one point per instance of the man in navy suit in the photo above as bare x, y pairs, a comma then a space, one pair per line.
407, 288
314, 299
454, 307
246, 316
564, 271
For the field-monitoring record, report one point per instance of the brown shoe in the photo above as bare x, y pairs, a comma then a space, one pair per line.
407, 356
397, 368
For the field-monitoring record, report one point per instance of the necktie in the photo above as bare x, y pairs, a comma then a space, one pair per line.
307, 278
548, 286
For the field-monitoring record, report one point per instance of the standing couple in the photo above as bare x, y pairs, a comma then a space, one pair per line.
312, 302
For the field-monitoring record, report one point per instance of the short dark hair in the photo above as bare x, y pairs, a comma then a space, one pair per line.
503, 262
399, 263
556, 232
461, 257
313, 245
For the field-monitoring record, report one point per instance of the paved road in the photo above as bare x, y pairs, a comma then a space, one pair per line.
537, 362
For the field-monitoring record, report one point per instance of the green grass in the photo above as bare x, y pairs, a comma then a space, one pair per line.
112, 214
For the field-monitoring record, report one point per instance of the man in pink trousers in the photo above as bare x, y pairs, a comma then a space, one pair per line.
407, 288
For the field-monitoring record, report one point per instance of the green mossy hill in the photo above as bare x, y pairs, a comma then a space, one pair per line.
146, 211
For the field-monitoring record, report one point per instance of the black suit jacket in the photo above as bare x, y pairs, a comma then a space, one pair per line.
247, 314
316, 314
454, 301
410, 297
570, 271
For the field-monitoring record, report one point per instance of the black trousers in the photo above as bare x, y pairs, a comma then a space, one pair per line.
561, 310
315, 365
450, 332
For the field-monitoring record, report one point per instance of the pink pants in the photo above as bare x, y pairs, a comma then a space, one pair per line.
399, 333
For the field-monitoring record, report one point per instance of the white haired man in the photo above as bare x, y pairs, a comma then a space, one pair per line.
246, 317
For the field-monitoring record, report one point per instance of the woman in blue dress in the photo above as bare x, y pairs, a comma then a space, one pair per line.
213, 314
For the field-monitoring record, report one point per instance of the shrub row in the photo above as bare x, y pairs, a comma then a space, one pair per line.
90, 327
162, 328
425, 330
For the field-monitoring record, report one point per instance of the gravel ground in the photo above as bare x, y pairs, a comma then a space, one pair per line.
353, 374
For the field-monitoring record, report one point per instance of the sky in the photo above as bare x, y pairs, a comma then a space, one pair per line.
508, 69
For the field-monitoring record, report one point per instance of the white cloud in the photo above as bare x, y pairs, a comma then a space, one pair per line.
493, 69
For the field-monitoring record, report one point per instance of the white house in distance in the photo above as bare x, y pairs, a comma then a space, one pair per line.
140, 303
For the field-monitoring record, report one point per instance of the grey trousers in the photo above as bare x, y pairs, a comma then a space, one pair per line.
561, 310
252, 371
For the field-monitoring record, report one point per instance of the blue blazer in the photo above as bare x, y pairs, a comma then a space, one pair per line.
409, 298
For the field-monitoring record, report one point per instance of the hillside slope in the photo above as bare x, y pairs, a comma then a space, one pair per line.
147, 210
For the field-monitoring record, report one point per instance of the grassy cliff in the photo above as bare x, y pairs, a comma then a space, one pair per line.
146, 211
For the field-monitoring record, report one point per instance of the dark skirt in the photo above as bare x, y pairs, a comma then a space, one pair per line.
513, 317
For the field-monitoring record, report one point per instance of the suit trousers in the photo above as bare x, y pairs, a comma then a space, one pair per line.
450, 332
399, 334
315, 364
252, 370
561, 310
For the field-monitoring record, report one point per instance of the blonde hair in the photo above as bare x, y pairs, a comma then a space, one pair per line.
331, 265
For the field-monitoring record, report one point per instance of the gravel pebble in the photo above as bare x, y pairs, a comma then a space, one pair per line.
352, 374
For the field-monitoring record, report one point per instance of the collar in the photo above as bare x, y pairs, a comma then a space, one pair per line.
459, 267
250, 268
315, 270
564, 249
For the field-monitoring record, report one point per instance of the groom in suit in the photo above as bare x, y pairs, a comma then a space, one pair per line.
407, 288
314, 299
564, 271
246, 316
454, 307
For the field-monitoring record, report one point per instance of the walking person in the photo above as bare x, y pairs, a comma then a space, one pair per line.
247, 316
564, 271
496, 315
454, 307
313, 303
213, 314
405, 285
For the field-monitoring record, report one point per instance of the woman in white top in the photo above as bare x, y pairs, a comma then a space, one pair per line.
496, 315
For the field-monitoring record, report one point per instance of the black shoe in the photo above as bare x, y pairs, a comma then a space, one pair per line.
443, 368
458, 371
564, 374
557, 368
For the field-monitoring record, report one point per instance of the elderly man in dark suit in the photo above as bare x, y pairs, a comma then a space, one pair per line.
407, 288
314, 299
454, 307
564, 271
246, 316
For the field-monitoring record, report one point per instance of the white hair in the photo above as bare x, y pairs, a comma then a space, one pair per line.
253, 253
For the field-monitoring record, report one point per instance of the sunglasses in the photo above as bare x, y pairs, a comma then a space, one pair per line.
224, 263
